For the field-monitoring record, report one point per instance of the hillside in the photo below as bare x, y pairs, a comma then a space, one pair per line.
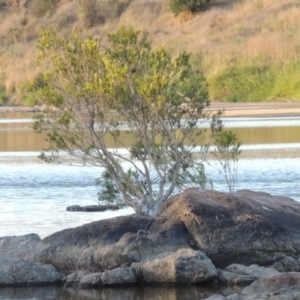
248, 49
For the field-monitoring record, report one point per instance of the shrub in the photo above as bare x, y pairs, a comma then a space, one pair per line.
3, 97
177, 6
40, 8
242, 84
91, 13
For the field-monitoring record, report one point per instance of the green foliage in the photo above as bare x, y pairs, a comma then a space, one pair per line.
109, 191
227, 153
287, 81
177, 6
242, 84
3, 96
256, 81
92, 91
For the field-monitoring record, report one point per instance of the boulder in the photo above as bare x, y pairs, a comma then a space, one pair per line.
118, 276
73, 279
92, 280
19, 247
254, 271
21, 272
183, 266
95, 247
243, 227
84, 279
287, 264
230, 278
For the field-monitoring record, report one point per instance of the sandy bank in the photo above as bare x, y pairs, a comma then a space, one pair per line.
229, 109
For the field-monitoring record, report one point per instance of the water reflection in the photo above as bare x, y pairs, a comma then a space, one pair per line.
16, 133
117, 293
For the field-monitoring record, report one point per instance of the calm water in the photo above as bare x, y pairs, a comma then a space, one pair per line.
34, 195
128, 293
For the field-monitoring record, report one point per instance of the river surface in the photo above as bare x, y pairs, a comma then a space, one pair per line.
34, 195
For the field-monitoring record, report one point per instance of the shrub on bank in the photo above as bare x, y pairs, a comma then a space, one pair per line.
257, 82
177, 6
3, 97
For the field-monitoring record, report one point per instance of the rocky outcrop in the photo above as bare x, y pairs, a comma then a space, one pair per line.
97, 247
241, 233
242, 227
183, 266
21, 272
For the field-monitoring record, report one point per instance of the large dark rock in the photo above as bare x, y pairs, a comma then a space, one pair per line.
16, 266
21, 272
97, 247
19, 247
243, 227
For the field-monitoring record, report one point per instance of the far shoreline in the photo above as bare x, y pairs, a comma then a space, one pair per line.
236, 109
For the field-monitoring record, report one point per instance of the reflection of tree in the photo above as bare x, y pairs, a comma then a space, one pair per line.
227, 153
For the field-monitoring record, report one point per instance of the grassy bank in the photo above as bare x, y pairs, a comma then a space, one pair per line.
248, 49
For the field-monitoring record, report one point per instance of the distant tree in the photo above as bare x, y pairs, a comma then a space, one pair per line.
92, 91
177, 6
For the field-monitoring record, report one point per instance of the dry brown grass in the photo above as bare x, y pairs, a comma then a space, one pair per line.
228, 31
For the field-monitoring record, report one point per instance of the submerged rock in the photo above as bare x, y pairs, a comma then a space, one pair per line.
93, 208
